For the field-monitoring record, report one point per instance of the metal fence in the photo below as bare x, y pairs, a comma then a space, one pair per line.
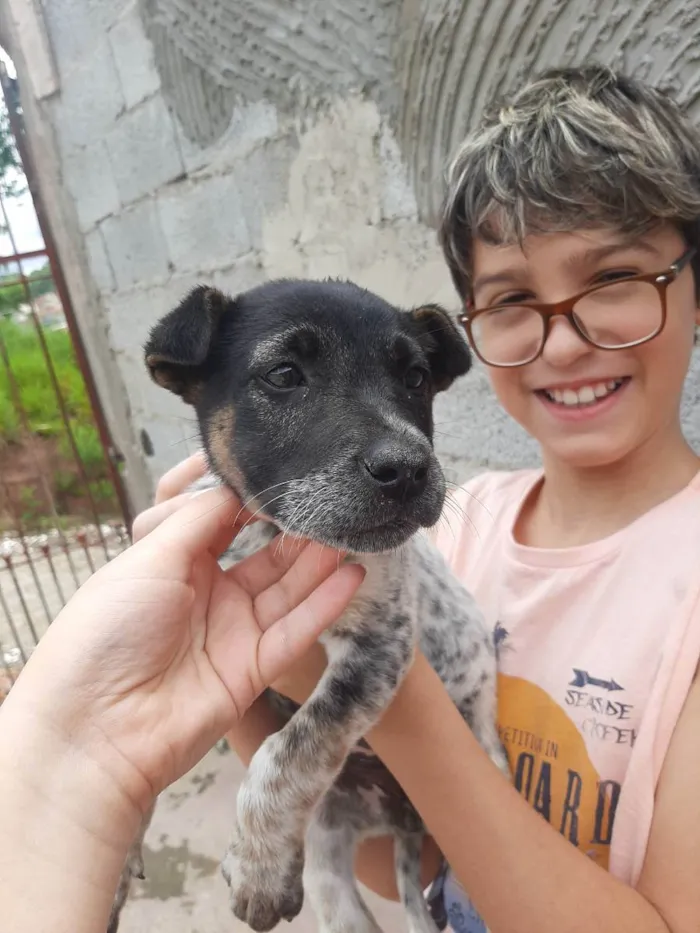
63, 507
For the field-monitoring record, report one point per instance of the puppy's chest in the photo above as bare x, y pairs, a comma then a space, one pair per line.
387, 600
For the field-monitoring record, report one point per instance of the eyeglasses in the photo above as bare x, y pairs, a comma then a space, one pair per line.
612, 316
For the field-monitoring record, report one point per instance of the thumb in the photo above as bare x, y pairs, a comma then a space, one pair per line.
207, 520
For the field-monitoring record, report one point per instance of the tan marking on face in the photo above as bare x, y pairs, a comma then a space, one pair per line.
219, 431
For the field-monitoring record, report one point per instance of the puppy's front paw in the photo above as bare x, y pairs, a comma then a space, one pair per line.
265, 884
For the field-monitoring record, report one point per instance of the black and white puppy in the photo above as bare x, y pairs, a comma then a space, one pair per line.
314, 401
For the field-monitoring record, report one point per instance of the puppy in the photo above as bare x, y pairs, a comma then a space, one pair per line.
314, 401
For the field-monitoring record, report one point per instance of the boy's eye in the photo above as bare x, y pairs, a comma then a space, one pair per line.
614, 275
517, 298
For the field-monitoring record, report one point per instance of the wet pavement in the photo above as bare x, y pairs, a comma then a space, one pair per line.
184, 891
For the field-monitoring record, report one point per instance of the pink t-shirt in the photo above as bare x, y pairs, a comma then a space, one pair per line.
598, 646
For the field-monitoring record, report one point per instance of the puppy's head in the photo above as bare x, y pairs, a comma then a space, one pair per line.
314, 401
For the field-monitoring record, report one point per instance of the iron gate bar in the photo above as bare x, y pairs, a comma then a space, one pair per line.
22, 600
32, 254
46, 551
20, 560
28, 556
19, 405
13, 627
65, 417
10, 90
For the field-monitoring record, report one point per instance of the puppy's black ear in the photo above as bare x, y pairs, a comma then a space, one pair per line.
179, 344
448, 352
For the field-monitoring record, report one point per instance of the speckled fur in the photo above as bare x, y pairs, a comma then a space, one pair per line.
316, 787
300, 457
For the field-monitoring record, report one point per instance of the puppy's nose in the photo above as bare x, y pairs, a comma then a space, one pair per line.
400, 471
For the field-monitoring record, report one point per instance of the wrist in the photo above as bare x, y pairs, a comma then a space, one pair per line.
56, 783
66, 830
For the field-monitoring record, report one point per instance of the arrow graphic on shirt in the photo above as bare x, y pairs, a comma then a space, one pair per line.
584, 679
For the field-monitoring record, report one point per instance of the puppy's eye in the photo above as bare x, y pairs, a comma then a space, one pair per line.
414, 378
286, 376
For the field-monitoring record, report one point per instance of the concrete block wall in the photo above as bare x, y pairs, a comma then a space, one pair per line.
227, 142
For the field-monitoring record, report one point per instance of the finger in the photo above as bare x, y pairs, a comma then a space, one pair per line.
259, 571
206, 522
288, 639
288, 588
145, 522
181, 476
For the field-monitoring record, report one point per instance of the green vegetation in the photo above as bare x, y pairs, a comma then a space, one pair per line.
12, 180
36, 392
13, 294
38, 399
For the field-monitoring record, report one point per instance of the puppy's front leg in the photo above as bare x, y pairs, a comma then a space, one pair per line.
295, 767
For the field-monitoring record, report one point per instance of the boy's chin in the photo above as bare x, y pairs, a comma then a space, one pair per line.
587, 453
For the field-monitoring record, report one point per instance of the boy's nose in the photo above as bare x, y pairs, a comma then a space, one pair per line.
564, 345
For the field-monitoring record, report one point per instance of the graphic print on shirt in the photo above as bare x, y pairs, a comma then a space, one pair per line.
549, 759
552, 770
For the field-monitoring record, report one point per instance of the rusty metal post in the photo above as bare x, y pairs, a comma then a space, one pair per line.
10, 89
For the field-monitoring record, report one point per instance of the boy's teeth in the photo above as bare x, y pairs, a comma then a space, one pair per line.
585, 395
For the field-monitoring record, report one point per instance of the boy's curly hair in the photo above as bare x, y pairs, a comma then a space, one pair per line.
575, 148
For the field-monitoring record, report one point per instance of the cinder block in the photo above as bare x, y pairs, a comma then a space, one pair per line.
143, 150
132, 313
88, 174
133, 55
75, 27
691, 403
99, 262
135, 245
90, 100
203, 223
471, 426
244, 274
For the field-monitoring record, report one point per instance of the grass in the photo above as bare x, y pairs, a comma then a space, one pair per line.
44, 419
36, 391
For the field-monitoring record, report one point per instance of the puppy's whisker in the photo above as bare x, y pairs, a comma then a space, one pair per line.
460, 512
310, 519
183, 440
249, 521
257, 495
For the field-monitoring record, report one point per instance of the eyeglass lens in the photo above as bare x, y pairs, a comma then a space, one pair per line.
613, 316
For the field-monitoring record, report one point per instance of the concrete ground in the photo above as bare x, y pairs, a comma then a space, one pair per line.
184, 891
33, 593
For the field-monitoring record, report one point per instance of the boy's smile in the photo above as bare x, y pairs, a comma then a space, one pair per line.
583, 398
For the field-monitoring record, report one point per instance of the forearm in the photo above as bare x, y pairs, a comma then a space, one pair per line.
520, 873
66, 829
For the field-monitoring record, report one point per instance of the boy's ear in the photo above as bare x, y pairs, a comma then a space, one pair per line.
179, 344
448, 352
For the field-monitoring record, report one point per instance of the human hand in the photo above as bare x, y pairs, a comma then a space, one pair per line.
161, 651
298, 679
